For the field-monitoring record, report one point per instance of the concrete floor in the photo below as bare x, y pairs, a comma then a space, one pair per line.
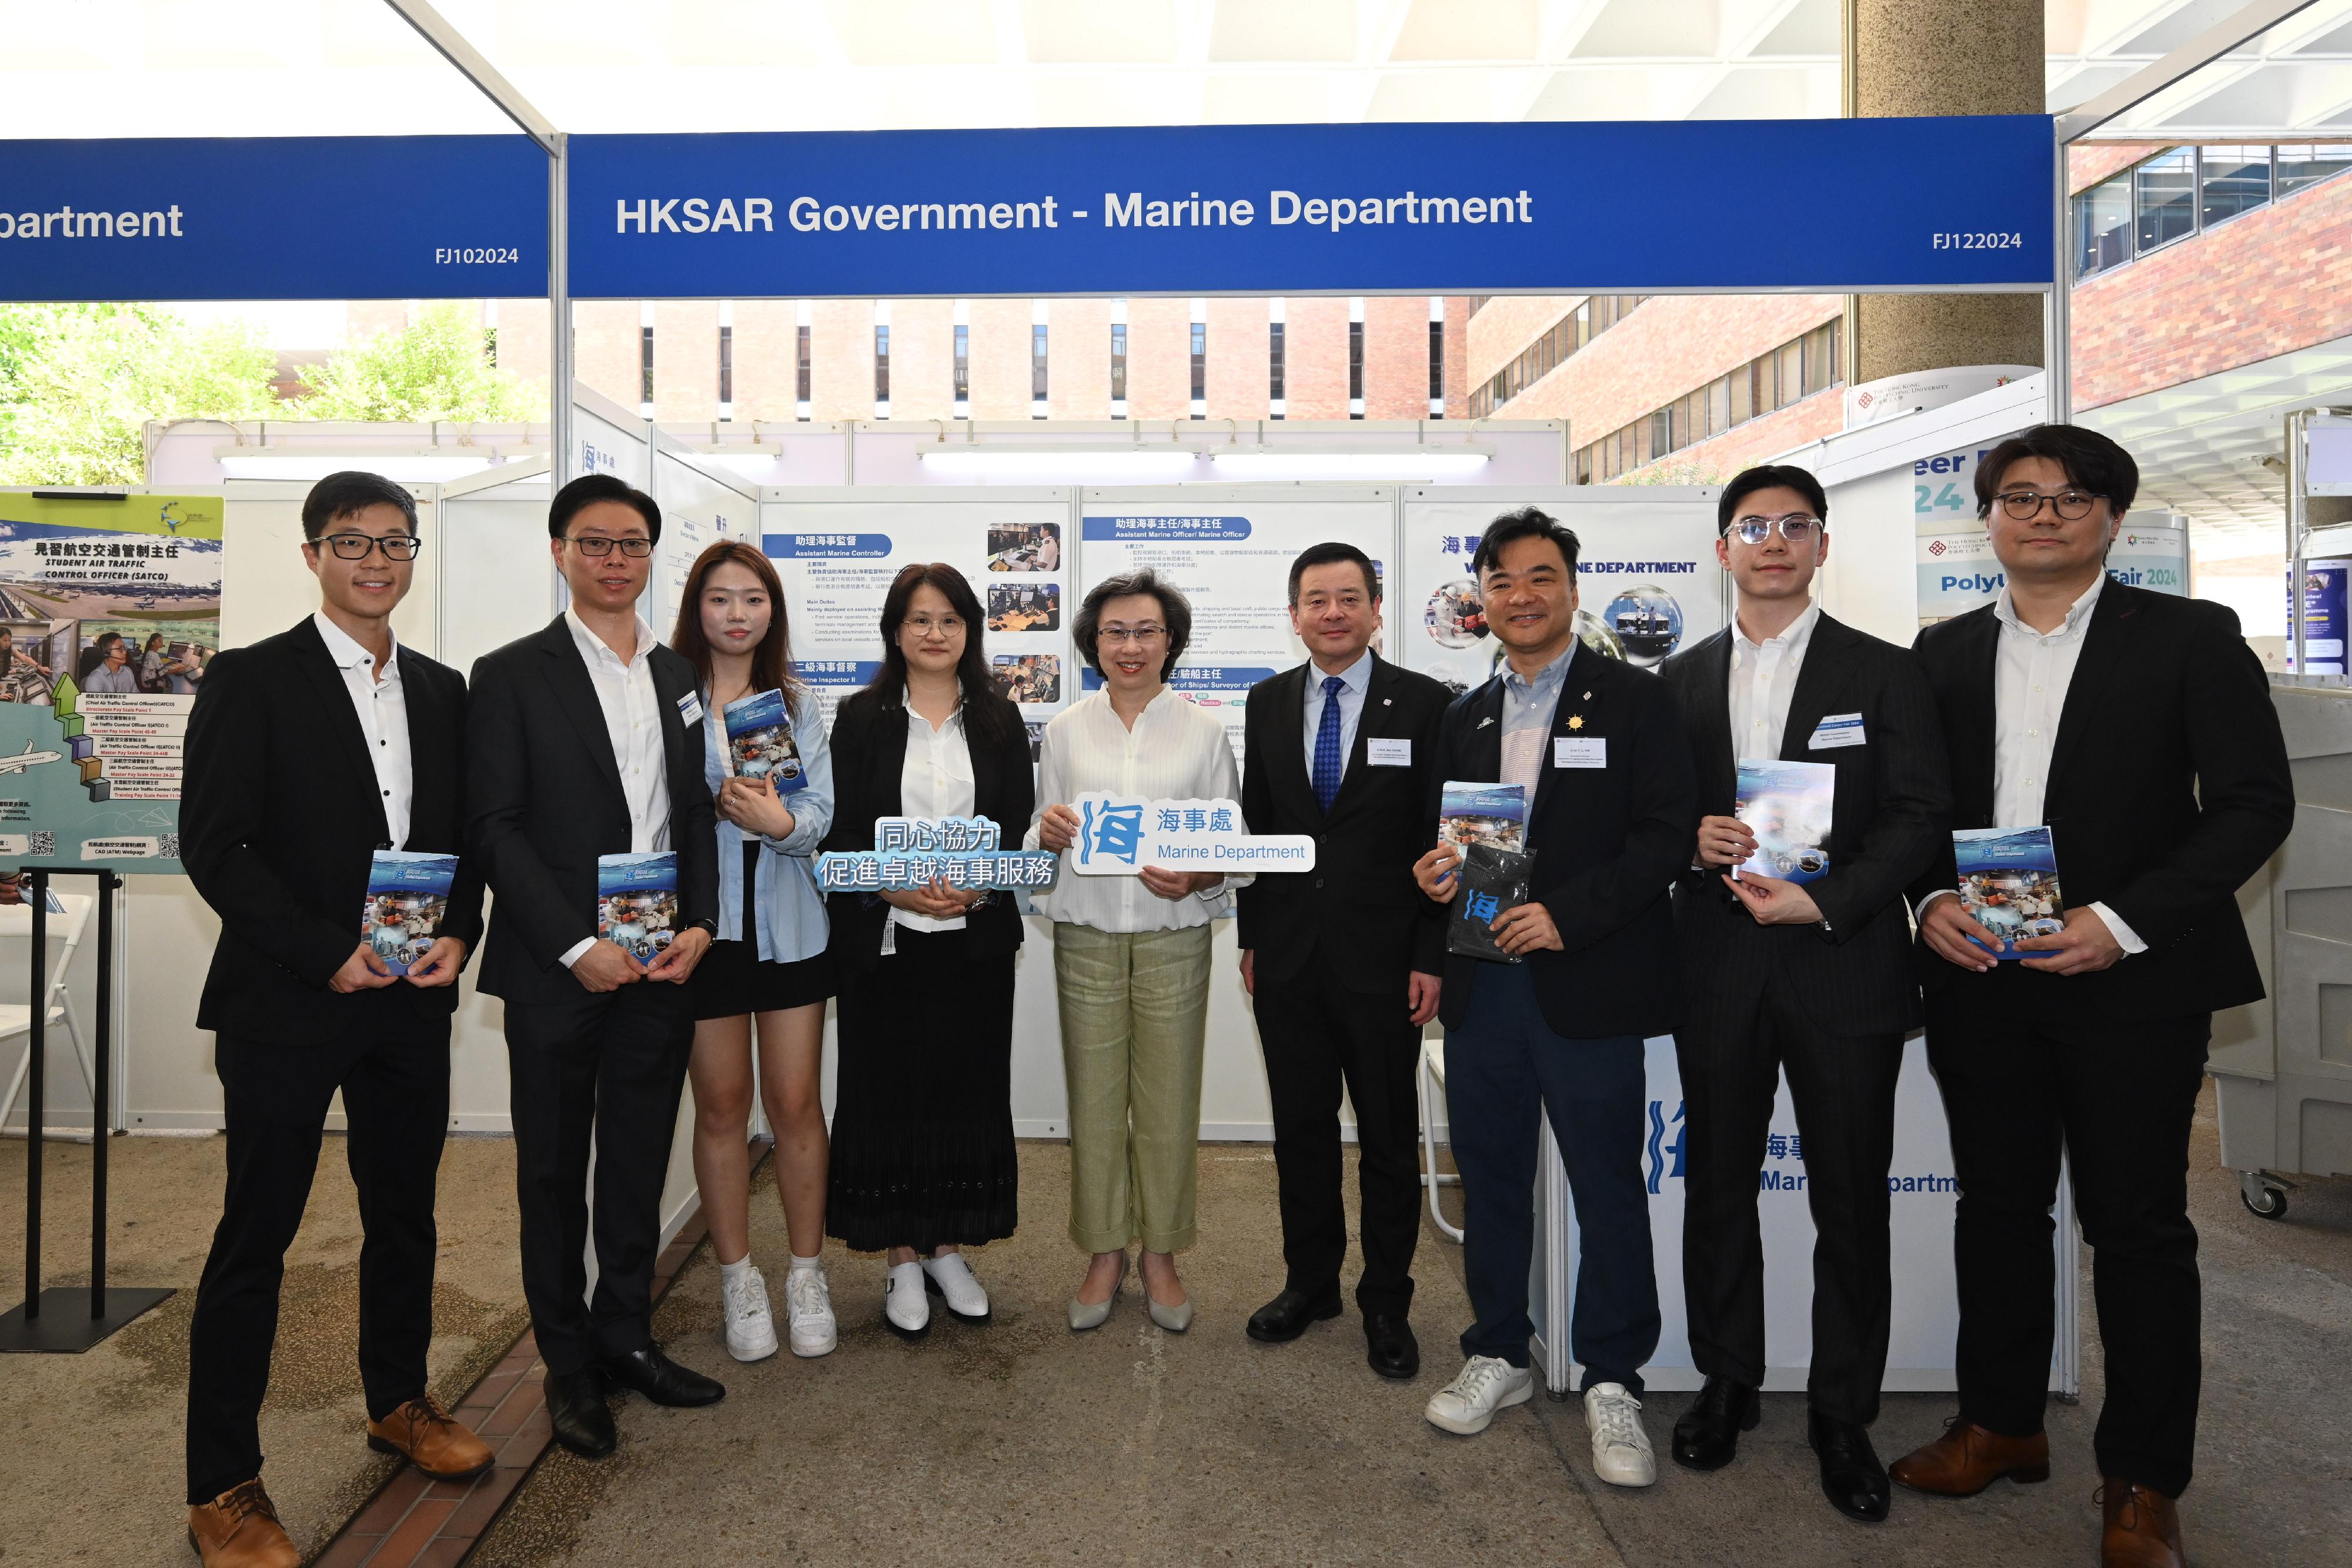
1021, 1443
91, 1445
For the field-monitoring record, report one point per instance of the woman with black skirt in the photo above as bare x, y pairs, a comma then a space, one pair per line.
769, 963
923, 1161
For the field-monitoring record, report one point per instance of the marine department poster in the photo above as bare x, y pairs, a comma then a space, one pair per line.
109, 611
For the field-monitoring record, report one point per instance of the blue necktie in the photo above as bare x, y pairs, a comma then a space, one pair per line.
1326, 745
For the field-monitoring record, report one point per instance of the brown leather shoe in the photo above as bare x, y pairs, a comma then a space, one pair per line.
1967, 1459
431, 1439
239, 1529
2143, 1527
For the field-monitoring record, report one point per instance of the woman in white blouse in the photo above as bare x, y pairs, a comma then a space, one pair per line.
1131, 952
923, 1158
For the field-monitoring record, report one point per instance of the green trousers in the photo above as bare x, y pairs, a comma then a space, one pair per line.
1135, 1009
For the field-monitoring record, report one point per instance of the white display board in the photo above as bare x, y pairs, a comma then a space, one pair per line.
1228, 549
700, 506
1647, 580
837, 557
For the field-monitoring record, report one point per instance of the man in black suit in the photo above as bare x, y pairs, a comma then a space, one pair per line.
1343, 961
306, 753
1598, 747
1808, 973
2138, 728
585, 741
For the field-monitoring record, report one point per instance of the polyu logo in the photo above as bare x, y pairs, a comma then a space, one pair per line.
1936, 548
1864, 401
1659, 1148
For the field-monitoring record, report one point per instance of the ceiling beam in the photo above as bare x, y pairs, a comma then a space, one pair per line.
437, 31
2239, 28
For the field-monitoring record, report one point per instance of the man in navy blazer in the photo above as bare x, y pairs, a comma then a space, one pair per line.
1598, 748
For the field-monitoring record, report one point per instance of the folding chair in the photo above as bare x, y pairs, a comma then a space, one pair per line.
17, 1018
1432, 1074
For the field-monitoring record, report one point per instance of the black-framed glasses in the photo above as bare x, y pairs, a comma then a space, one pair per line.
1796, 528
599, 544
355, 547
2071, 506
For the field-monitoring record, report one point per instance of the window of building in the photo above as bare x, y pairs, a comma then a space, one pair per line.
1117, 361
2164, 199
2230, 180
2103, 225
1437, 366
645, 364
2301, 167
1200, 366
801, 372
725, 364
963, 364
1797, 369
1037, 363
1356, 364
2183, 191
1540, 358
1273, 365
882, 372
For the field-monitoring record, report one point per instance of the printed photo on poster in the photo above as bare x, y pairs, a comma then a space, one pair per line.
1029, 678
1025, 547
1020, 607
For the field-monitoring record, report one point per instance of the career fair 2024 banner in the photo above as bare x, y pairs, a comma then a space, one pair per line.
837, 559
1231, 557
110, 610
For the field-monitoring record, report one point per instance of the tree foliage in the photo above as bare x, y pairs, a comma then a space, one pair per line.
79, 382
436, 368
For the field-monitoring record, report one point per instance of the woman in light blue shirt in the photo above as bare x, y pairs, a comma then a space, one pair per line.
773, 791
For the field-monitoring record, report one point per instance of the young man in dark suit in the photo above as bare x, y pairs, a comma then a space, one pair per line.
2138, 728
586, 740
1597, 746
1343, 961
306, 752
1811, 977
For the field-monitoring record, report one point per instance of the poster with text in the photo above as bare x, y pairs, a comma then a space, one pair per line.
837, 560
109, 611
1232, 560
1647, 581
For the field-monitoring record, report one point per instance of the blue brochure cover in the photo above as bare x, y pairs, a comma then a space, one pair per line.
2008, 884
1493, 815
636, 902
759, 741
1788, 805
407, 897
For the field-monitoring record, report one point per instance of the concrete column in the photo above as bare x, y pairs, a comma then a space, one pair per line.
1943, 57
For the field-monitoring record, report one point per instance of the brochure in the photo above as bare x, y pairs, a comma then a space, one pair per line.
1788, 804
759, 741
2008, 884
636, 902
1494, 814
1493, 879
407, 897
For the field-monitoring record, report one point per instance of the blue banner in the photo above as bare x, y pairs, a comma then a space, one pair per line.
1818, 206
302, 217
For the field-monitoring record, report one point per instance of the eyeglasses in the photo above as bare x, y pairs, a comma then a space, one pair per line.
1796, 528
946, 625
1136, 634
599, 545
355, 547
2071, 506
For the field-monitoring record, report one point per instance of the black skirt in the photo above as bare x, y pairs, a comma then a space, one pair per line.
922, 1122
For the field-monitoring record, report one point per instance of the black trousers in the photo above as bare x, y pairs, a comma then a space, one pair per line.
1317, 1034
610, 1068
1734, 1045
2118, 1098
395, 1084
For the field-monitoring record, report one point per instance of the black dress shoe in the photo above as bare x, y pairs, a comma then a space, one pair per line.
1286, 1317
1851, 1478
1706, 1436
657, 1377
1389, 1348
577, 1411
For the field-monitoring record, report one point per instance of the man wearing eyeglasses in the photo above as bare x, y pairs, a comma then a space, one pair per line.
2138, 727
586, 740
1812, 977
306, 753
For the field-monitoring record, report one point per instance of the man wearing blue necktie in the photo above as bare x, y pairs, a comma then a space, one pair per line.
1343, 959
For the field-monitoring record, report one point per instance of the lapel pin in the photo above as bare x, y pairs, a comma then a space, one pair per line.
1484, 722
1388, 702
1576, 721
1587, 696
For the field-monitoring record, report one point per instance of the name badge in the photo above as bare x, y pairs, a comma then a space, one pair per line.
1578, 751
690, 708
1388, 753
1835, 730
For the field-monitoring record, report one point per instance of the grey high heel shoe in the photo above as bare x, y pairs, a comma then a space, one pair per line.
1175, 1319
1085, 1315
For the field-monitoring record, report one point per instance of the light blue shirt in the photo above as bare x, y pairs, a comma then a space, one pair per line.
1356, 681
790, 911
1528, 705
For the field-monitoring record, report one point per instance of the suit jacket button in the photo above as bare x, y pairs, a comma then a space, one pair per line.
1318, 882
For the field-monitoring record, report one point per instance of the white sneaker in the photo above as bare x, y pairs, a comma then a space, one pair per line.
949, 1276
1486, 1384
809, 1302
750, 1329
1621, 1449
904, 1308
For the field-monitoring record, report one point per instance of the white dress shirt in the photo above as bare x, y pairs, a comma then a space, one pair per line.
381, 706
2031, 671
1356, 680
936, 781
1763, 679
1175, 752
633, 722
